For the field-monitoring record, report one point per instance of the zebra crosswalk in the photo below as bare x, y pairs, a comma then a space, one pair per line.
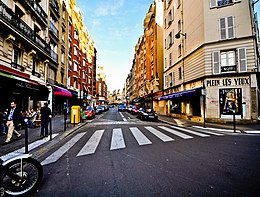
163, 133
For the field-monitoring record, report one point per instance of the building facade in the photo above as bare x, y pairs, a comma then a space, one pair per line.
210, 60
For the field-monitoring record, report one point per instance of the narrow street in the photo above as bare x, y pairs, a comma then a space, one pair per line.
113, 157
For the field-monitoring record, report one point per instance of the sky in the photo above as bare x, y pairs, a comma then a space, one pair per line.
115, 26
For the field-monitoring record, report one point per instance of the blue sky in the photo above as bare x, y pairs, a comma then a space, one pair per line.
115, 26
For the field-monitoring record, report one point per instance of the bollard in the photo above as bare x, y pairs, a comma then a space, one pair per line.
65, 120
26, 137
74, 124
50, 129
234, 120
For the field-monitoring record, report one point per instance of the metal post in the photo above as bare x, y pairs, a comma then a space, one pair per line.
234, 120
26, 137
50, 129
204, 111
65, 119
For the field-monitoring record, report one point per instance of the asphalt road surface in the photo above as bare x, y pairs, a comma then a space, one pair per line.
117, 154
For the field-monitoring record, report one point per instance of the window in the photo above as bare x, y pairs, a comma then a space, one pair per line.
180, 73
225, 61
170, 18
74, 82
219, 3
62, 57
165, 63
242, 60
166, 81
226, 26
75, 50
76, 35
17, 56
170, 59
170, 79
179, 26
75, 66
179, 50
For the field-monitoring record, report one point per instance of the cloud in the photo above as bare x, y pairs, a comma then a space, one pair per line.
110, 7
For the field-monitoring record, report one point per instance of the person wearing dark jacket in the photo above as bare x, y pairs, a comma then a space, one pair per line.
45, 117
14, 118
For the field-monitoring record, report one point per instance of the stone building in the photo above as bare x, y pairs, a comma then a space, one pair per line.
210, 53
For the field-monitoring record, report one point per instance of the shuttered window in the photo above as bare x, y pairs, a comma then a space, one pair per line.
242, 60
216, 62
226, 26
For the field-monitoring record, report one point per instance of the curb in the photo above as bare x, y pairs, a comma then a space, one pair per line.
42, 150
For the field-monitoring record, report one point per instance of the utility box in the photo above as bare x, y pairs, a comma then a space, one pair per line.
75, 114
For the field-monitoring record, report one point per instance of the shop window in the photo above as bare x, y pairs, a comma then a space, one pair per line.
230, 101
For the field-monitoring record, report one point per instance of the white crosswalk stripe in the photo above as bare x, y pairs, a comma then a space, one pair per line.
92, 144
182, 135
62, 150
117, 141
160, 135
190, 131
139, 136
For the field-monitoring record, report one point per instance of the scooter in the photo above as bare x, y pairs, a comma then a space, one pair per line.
19, 175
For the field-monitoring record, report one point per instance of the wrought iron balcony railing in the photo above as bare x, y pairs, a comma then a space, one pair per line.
38, 9
55, 6
17, 66
9, 17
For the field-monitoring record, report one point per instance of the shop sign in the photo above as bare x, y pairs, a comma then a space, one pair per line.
228, 82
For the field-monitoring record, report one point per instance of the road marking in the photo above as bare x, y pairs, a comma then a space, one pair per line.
212, 133
31, 146
117, 141
124, 119
182, 135
92, 144
160, 135
252, 132
139, 136
192, 132
215, 129
62, 150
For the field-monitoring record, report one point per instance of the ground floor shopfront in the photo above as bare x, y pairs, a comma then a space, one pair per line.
222, 97
25, 92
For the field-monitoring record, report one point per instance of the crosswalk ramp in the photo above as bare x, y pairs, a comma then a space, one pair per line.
163, 133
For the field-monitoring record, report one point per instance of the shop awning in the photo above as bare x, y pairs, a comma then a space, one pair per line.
58, 91
18, 78
185, 93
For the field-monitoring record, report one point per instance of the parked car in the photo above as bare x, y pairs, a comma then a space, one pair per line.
129, 108
134, 110
89, 112
121, 108
98, 110
146, 114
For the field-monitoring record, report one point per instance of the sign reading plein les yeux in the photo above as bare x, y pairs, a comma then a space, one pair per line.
228, 82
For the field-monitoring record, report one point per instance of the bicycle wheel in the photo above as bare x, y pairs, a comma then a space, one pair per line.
30, 177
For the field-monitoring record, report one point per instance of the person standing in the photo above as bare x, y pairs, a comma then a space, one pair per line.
45, 117
14, 118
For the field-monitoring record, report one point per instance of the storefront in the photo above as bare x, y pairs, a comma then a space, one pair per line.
181, 104
231, 95
61, 99
25, 92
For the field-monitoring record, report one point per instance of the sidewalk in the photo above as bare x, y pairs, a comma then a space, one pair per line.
34, 134
249, 128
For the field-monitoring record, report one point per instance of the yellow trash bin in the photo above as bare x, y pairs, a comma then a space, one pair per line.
75, 112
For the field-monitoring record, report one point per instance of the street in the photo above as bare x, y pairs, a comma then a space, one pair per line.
135, 158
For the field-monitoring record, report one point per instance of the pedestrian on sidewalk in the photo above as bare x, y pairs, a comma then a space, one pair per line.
45, 117
14, 118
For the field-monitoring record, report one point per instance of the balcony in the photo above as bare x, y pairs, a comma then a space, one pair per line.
36, 74
17, 66
55, 6
37, 11
8, 17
